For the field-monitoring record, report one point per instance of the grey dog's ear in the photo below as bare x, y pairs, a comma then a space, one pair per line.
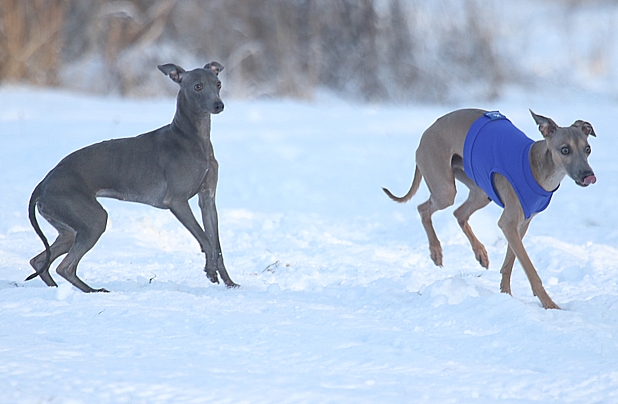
585, 127
546, 125
216, 67
176, 73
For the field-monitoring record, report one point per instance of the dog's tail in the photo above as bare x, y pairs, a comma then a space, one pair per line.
416, 182
36, 195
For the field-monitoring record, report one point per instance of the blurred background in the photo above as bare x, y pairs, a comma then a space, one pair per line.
363, 50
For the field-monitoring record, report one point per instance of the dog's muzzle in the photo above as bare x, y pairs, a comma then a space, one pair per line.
589, 179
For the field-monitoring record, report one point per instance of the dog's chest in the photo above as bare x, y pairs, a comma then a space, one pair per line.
494, 145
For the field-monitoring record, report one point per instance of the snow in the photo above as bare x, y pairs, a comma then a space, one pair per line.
339, 302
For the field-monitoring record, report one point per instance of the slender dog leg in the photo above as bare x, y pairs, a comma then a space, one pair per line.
474, 202
214, 258
60, 246
426, 210
477, 199
86, 236
511, 223
512, 235
80, 221
68, 267
181, 209
441, 183
509, 261
209, 241
210, 219
506, 270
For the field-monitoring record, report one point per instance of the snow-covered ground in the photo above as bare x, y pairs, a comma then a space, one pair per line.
340, 302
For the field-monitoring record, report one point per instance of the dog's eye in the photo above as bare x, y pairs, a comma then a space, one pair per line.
218, 85
198, 87
587, 150
565, 151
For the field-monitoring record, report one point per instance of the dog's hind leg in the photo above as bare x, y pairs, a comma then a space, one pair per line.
88, 220
477, 199
441, 184
60, 246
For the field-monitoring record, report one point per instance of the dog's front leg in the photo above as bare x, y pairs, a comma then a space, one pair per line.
513, 223
514, 240
509, 260
182, 211
214, 257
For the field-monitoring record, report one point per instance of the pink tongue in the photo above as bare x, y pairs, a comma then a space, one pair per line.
591, 179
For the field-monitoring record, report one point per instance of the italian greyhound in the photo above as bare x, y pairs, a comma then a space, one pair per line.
450, 149
163, 168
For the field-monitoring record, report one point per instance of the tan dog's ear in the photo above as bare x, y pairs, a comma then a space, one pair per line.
546, 125
585, 127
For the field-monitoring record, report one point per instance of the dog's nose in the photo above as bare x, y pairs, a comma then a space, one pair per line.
589, 179
586, 178
218, 106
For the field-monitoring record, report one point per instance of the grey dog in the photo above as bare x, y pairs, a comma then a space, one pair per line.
163, 168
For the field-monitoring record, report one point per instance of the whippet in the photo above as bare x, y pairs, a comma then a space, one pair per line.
163, 168
521, 175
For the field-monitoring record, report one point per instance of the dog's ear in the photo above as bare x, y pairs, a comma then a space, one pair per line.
176, 73
585, 127
546, 125
216, 67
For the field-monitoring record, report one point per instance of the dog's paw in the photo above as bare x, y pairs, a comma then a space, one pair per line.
436, 254
505, 288
212, 277
482, 257
549, 304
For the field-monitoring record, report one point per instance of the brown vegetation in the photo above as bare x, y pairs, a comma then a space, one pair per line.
364, 49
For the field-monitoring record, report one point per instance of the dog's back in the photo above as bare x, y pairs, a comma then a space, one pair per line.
130, 169
445, 137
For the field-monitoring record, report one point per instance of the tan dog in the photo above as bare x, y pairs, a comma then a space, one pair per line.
440, 159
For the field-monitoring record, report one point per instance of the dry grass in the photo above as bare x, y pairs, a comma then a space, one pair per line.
31, 40
281, 48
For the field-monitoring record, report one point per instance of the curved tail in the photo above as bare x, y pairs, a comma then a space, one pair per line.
36, 195
416, 182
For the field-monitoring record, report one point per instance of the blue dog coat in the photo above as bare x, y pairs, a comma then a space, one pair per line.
495, 145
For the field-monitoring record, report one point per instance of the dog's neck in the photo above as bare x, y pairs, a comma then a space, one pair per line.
546, 173
191, 122
192, 126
